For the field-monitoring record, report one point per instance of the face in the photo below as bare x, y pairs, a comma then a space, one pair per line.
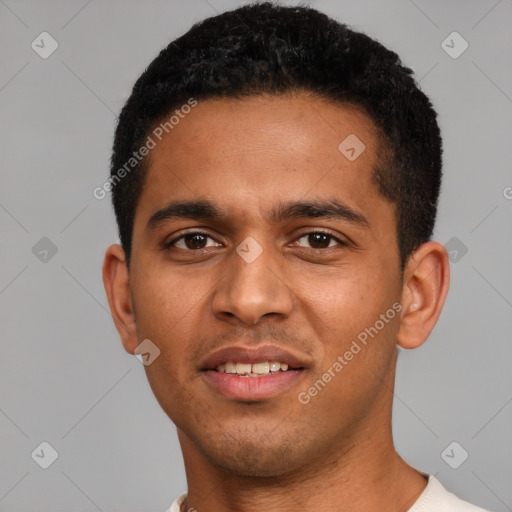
257, 240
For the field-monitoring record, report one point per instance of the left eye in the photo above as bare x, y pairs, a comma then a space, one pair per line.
319, 240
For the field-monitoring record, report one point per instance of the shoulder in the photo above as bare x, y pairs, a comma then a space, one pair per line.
176, 504
435, 498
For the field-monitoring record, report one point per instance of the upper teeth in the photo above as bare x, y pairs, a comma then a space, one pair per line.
248, 368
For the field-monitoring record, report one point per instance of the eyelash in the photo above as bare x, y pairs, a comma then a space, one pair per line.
170, 245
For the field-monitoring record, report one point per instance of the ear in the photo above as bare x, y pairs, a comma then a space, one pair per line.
117, 286
426, 283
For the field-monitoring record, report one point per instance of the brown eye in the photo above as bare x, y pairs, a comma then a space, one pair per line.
195, 241
319, 240
192, 241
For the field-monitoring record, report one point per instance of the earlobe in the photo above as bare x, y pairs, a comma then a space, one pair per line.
426, 283
117, 287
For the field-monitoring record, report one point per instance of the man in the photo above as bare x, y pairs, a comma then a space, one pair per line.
275, 179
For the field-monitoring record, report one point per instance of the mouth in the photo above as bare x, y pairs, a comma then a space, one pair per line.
253, 374
262, 369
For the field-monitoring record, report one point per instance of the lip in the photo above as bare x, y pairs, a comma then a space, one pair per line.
251, 389
240, 354
259, 388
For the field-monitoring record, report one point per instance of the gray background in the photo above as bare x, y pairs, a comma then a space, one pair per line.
64, 376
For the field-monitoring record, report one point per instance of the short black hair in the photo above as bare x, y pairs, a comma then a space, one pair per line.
264, 48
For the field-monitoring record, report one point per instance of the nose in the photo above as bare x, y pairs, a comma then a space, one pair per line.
252, 290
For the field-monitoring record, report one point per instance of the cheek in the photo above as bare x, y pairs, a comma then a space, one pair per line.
163, 300
340, 300
356, 360
345, 311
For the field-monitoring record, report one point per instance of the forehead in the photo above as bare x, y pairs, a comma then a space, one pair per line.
249, 154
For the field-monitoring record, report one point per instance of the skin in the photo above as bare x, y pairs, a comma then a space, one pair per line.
335, 453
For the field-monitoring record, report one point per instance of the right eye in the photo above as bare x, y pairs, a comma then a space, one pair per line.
192, 241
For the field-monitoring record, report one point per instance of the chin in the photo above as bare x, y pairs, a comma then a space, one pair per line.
262, 456
255, 461
252, 444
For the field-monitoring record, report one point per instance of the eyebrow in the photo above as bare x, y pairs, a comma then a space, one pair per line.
207, 210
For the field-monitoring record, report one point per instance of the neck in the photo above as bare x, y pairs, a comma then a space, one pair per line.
340, 486
366, 474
